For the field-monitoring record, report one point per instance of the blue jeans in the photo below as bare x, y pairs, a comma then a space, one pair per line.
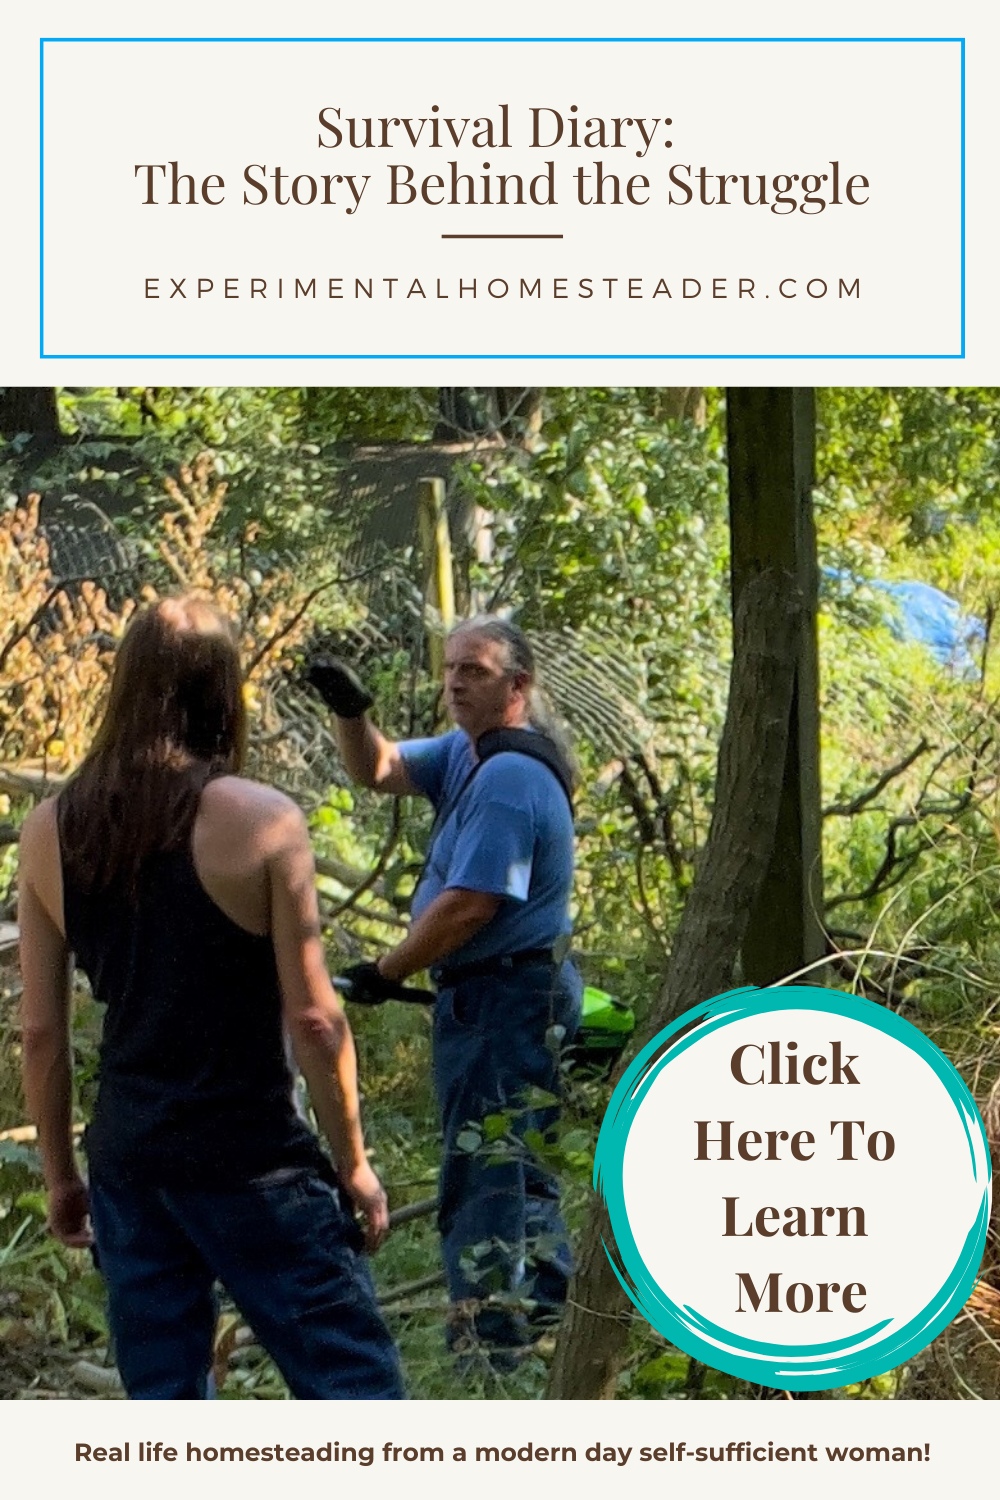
501, 1228
284, 1249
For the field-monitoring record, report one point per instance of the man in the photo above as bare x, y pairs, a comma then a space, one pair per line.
489, 921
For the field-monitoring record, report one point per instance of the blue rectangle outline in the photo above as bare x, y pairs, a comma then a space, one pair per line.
42, 41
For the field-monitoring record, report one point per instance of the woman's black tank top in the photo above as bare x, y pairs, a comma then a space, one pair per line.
193, 1089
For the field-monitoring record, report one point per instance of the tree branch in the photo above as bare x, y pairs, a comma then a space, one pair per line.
848, 809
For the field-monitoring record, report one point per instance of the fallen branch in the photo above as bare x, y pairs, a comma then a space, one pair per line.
373, 881
102, 1379
343, 874
410, 1288
22, 780
27, 1135
411, 1211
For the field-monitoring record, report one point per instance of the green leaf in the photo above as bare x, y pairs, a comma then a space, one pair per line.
32, 1203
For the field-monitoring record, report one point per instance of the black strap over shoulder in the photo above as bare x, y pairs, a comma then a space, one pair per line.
529, 742
535, 745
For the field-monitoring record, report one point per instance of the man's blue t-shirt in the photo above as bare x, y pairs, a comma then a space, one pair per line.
510, 834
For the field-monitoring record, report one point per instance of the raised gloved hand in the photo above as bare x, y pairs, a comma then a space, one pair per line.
339, 687
367, 986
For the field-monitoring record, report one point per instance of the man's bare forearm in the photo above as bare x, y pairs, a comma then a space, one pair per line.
450, 921
362, 749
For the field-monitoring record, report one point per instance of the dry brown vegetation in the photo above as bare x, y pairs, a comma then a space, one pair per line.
57, 635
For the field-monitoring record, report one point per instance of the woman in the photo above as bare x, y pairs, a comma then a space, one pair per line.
187, 895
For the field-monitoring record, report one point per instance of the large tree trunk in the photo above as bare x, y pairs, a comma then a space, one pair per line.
711, 930
771, 443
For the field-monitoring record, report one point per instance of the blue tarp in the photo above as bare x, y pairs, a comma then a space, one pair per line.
935, 620
927, 617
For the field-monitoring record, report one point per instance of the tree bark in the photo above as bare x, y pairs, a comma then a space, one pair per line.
31, 409
512, 411
771, 442
712, 927
683, 401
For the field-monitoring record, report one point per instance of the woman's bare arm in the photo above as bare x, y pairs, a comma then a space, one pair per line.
319, 1031
45, 1010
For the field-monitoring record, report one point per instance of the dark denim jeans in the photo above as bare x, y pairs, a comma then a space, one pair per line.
501, 1229
284, 1249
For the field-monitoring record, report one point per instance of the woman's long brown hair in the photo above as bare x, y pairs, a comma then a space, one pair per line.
175, 718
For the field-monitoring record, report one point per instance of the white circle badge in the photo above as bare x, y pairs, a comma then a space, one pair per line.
798, 1186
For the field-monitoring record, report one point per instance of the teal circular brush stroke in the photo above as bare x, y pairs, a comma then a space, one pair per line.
792, 1367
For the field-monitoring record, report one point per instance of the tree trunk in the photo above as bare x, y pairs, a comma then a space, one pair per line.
682, 401
511, 411
771, 441
711, 930
29, 409
520, 411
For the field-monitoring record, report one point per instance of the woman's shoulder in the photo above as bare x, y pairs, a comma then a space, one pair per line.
250, 803
243, 826
39, 861
39, 833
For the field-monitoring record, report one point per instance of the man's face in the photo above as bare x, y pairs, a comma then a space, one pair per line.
479, 692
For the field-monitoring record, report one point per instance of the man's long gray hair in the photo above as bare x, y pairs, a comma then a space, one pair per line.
520, 657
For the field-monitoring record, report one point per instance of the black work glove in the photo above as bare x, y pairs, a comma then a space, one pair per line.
339, 687
367, 985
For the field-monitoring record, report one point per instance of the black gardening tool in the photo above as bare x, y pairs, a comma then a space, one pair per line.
364, 985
